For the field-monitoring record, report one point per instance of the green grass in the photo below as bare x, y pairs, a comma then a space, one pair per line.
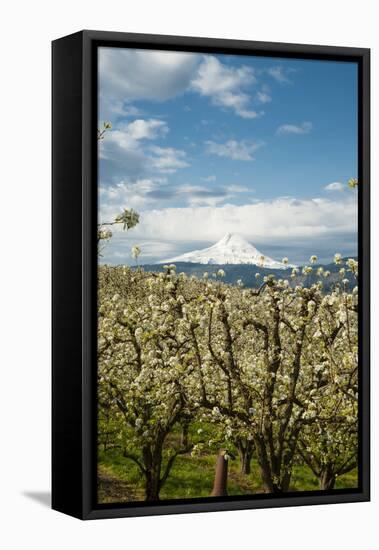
304, 480
192, 477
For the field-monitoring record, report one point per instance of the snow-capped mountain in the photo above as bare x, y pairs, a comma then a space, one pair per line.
231, 249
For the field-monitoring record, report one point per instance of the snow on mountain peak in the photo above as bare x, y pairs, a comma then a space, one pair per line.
231, 249
231, 239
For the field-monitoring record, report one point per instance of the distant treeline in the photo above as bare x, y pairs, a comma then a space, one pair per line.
235, 273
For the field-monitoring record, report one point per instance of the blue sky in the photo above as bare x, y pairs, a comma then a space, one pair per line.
202, 145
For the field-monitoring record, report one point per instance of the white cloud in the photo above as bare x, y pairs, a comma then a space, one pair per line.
224, 85
147, 192
196, 195
236, 150
124, 151
152, 248
113, 198
127, 75
303, 128
118, 251
127, 136
277, 221
209, 178
167, 159
279, 74
240, 189
335, 186
147, 129
131, 110
263, 97
111, 108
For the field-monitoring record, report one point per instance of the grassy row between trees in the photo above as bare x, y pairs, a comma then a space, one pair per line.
120, 480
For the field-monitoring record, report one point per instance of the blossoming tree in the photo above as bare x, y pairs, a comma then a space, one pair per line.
144, 365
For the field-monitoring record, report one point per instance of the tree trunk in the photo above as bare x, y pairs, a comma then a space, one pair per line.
327, 479
286, 481
152, 486
245, 463
264, 465
245, 452
266, 478
153, 463
184, 436
271, 483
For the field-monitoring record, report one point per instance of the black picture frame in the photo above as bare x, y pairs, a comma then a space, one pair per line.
74, 271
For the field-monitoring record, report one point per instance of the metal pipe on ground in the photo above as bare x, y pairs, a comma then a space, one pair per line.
220, 485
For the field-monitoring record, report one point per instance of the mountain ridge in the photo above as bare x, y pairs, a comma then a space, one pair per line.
246, 273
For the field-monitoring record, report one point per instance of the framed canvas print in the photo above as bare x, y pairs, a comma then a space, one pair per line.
210, 274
